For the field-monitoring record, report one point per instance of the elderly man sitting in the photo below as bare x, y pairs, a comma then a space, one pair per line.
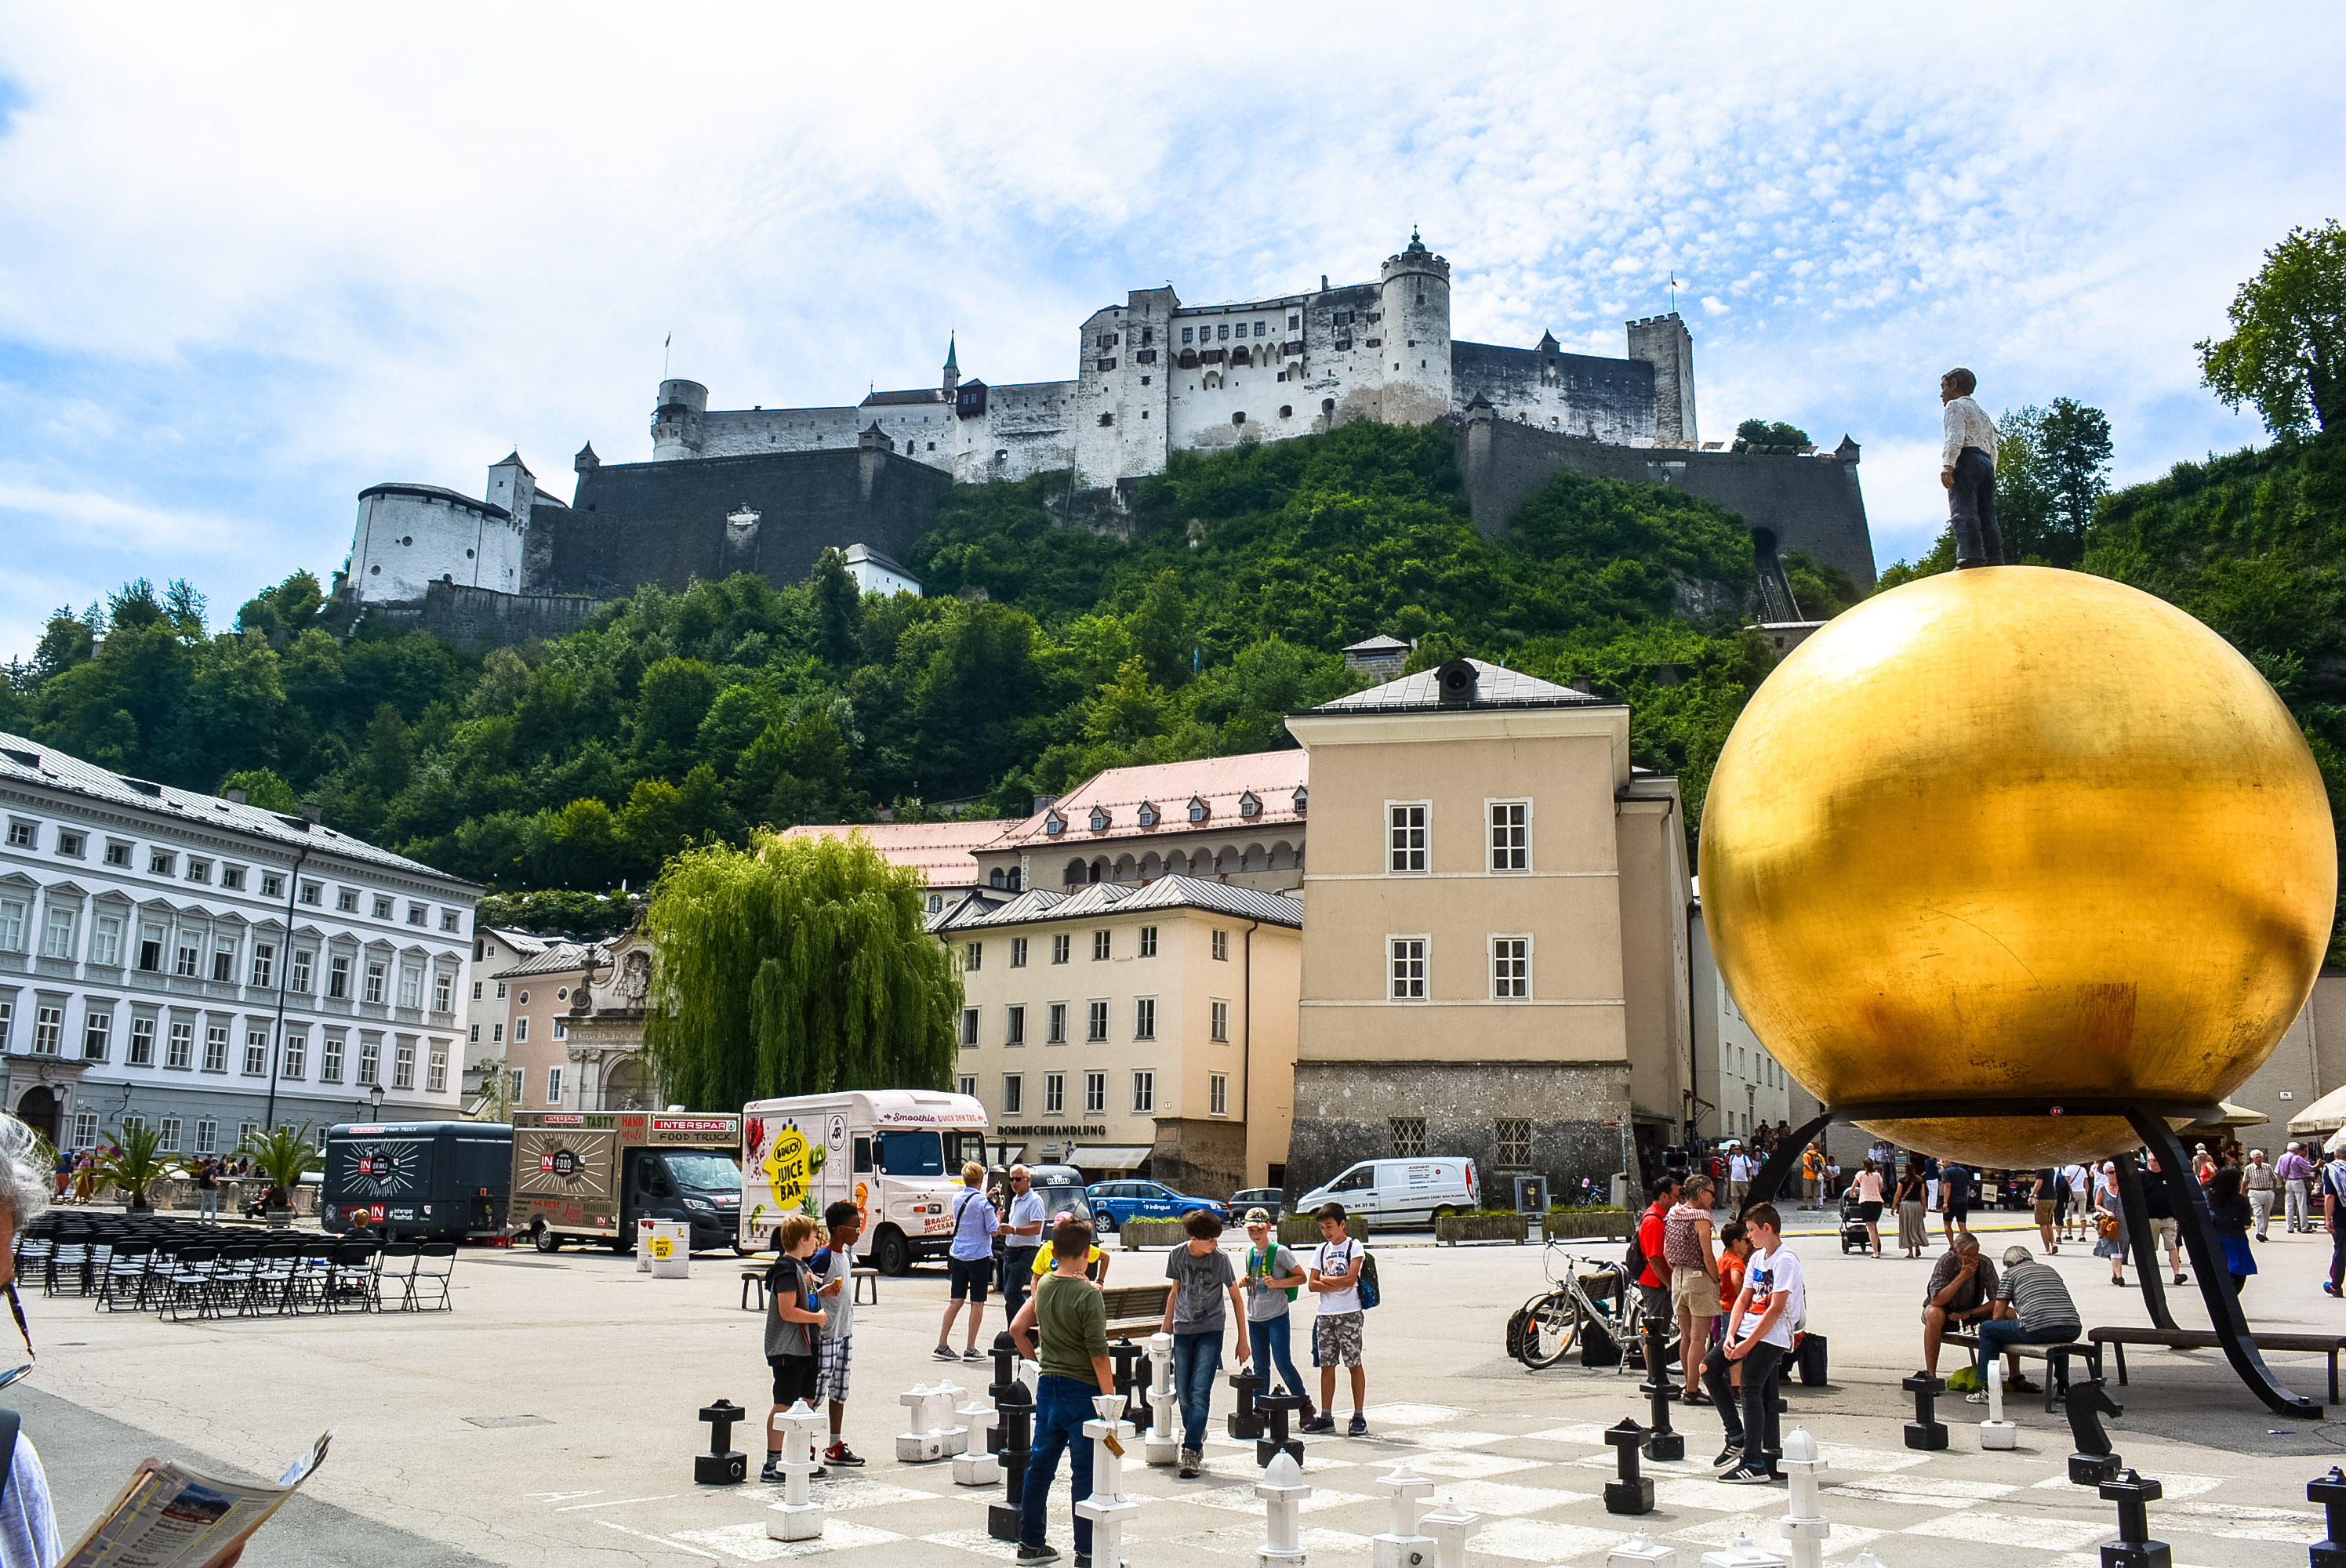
1962, 1295
2032, 1308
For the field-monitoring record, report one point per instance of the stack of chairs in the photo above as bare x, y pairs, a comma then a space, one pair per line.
183, 1268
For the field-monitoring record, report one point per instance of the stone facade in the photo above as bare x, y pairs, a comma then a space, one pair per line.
1344, 1113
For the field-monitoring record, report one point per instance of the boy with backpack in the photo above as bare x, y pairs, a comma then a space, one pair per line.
1273, 1274
1344, 1277
793, 1331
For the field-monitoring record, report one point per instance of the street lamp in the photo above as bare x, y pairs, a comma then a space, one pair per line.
374, 1101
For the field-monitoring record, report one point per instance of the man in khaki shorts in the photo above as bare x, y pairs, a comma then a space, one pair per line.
1693, 1278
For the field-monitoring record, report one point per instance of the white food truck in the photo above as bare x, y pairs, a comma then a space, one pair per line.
895, 1153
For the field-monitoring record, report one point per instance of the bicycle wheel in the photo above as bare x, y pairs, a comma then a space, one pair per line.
1552, 1331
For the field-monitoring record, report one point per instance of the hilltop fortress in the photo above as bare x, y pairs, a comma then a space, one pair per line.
767, 490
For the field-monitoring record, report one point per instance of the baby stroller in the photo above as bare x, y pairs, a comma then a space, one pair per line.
1853, 1237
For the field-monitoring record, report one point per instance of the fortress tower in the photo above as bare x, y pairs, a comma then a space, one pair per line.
1415, 311
1664, 342
676, 424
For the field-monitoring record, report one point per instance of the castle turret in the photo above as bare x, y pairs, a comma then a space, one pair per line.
586, 462
675, 423
1664, 342
953, 365
514, 487
1414, 328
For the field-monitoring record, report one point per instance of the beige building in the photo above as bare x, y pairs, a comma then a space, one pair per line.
1236, 819
488, 1010
605, 1037
537, 1021
1495, 964
1118, 1028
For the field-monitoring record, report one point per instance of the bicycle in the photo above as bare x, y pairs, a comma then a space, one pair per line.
1545, 1329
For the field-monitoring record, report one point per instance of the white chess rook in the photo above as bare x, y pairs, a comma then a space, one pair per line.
1804, 1526
1995, 1432
1450, 1525
950, 1432
1742, 1552
796, 1517
1403, 1546
1108, 1508
1642, 1550
1282, 1489
920, 1443
1163, 1447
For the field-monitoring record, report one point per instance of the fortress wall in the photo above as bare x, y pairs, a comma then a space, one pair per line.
479, 619
1574, 394
1810, 503
1029, 428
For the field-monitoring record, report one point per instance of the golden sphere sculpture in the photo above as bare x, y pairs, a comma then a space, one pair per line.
2014, 832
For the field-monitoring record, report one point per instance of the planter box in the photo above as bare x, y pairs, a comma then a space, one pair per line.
1134, 1233
1302, 1231
1458, 1227
1580, 1223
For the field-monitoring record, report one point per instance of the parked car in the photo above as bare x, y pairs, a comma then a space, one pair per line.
1113, 1202
1270, 1199
1061, 1188
1400, 1192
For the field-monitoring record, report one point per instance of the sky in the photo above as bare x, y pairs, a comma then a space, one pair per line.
253, 259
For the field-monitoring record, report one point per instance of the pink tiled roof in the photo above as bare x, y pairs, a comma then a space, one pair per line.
940, 852
1273, 777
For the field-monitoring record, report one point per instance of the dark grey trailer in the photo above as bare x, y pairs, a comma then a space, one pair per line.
446, 1180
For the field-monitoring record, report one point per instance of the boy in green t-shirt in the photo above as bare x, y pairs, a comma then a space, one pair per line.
1071, 1316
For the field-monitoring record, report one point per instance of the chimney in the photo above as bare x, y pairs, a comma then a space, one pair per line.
1455, 683
233, 794
1043, 803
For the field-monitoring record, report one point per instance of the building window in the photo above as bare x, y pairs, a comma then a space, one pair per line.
419, 915
1144, 1018
382, 907
216, 1048
21, 835
514, 1085
1511, 835
207, 1136
199, 870
1094, 1093
272, 885
973, 956
313, 893
256, 1053
403, 1064
224, 960
1017, 952
169, 1142
1014, 1094
330, 1060
936, 903
444, 991
411, 986
1057, 1026
1408, 1136
1059, 946
190, 959
1143, 1091
338, 976
142, 1043
160, 861
232, 877
449, 920
294, 1059
96, 1034
1406, 837
1099, 946
969, 1085
49, 1029
1096, 1029
106, 940
1015, 1034
439, 1070
370, 1060
1218, 1095
561, 1030
150, 945
1511, 968
496, 1034
302, 962
117, 853
1514, 1141
346, 900
968, 1027
1148, 942
57, 935
1221, 947
181, 1053
521, 1031
501, 991
85, 1133
375, 975
474, 1039
264, 965
554, 1085
1222, 1023
1406, 956
71, 844
1055, 1093
12, 925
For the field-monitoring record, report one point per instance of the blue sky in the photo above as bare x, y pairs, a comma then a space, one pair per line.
245, 272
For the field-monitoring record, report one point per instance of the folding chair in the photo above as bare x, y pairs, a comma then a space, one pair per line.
126, 1275
232, 1277
350, 1286
394, 1268
272, 1275
435, 1266
190, 1281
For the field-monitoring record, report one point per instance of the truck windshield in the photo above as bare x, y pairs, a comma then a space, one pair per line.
703, 1171
910, 1154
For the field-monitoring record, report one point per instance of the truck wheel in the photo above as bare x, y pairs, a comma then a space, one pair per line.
544, 1239
623, 1244
892, 1252
740, 1250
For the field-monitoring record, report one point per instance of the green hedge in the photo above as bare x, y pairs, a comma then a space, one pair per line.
1301, 1229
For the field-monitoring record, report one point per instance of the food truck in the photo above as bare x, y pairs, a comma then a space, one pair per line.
896, 1154
589, 1176
444, 1180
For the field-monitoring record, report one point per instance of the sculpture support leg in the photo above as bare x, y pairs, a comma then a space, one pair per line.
1780, 1165
2199, 1229
2145, 1245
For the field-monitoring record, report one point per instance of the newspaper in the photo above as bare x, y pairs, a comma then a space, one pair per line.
172, 1516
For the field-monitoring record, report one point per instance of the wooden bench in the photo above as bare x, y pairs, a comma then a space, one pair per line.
2204, 1339
1136, 1309
753, 1284
2054, 1357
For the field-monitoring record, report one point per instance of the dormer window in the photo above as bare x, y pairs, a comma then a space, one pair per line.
1199, 809
1149, 814
1248, 806
1303, 799
1054, 825
1099, 818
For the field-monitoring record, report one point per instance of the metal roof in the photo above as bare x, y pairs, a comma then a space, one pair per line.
1495, 686
434, 493
560, 958
940, 852
29, 762
1040, 904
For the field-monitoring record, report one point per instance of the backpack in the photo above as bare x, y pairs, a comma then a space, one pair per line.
1634, 1260
1366, 1283
1269, 1263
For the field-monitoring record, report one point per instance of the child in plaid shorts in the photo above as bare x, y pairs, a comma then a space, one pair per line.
834, 1266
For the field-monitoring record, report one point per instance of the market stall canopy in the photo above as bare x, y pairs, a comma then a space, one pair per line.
2233, 1116
2322, 1116
1112, 1159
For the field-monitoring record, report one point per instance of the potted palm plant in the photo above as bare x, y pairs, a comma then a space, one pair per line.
135, 1165
283, 1157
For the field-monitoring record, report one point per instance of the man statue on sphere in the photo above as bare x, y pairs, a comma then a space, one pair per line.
1967, 470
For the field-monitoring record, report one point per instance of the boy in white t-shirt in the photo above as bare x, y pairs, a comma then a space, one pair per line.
1771, 1304
1334, 1277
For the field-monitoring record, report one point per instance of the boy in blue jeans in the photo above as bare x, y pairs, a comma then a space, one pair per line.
1202, 1277
1071, 1317
1273, 1275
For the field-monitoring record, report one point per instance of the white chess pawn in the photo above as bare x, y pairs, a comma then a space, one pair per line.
1865, 1559
796, 1517
1742, 1552
1162, 1447
1804, 1526
1450, 1525
1405, 1545
1282, 1489
1642, 1550
1995, 1432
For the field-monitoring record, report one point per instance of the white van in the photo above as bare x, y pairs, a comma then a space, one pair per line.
1398, 1191
895, 1153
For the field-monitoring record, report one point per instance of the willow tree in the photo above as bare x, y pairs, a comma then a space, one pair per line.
794, 967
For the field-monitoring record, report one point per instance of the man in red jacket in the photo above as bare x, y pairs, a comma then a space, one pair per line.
1654, 1283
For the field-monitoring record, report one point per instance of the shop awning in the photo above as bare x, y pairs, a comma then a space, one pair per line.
1113, 1158
2324, 1113
2232, 1116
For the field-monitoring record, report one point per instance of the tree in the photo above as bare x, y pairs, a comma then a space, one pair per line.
1754, 432
796, 966
837, 609
2052, 469
264, 789
1158, 634
2287, 351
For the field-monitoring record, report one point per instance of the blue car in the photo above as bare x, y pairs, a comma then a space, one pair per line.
1113, 1202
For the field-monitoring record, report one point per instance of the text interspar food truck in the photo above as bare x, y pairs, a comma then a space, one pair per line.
590, 1175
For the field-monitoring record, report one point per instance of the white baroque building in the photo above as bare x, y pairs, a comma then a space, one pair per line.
170, 959
1153, 375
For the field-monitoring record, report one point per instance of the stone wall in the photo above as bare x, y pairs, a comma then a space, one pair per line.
1810, 503
1197, 1156
479, 619
1342, 1112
